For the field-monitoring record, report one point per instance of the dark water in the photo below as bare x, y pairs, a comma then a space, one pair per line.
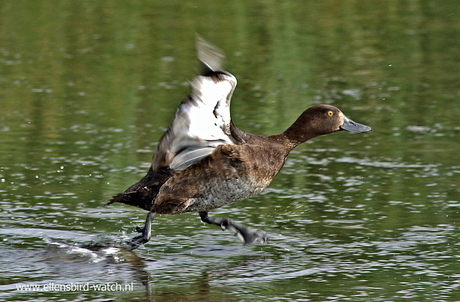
87, 88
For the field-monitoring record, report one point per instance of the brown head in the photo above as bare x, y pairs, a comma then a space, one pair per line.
319, 120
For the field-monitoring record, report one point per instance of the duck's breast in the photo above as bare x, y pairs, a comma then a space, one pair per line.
241, 172
219, 193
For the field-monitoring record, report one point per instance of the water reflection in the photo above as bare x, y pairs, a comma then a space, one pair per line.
311, 259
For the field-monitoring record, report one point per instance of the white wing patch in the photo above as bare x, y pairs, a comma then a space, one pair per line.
201, 123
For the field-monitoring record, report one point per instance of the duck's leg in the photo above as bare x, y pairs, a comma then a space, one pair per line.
137, 241
244, 233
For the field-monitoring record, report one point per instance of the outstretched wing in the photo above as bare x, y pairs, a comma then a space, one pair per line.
202, 121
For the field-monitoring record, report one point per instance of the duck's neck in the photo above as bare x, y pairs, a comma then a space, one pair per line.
289, 139
297, 133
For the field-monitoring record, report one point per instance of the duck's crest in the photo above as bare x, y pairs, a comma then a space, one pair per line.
202, 121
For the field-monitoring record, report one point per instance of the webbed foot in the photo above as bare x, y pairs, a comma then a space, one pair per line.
246, 234
137, 241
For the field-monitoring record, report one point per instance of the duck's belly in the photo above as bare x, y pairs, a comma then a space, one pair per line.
219, 194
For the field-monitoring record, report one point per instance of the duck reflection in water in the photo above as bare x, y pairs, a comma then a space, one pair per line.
203, 161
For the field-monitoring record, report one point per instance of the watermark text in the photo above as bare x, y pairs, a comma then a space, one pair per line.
76, 287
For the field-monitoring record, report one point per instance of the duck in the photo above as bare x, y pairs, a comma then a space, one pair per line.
204, 162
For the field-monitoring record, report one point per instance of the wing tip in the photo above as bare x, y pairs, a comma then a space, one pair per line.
212, 58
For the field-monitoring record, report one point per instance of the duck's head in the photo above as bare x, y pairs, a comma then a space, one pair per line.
319, 120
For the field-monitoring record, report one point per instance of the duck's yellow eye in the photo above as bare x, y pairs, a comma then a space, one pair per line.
330, 113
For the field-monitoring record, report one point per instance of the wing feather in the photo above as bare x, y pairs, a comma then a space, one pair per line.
202, 121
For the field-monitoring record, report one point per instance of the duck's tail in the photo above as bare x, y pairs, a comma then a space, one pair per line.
143, 193
120, 197
137, 199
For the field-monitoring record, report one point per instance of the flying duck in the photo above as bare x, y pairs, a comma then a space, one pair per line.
203, 161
